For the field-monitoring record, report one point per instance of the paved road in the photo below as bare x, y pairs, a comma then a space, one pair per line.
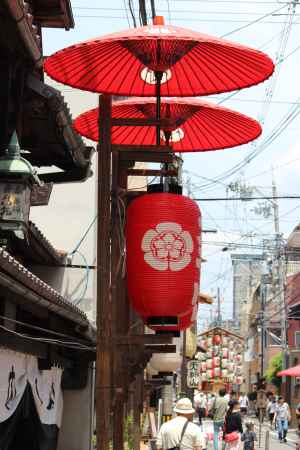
273, 445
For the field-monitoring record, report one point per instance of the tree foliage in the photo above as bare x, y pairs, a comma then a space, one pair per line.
275, 366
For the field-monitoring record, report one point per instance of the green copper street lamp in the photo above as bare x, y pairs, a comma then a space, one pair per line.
17, 177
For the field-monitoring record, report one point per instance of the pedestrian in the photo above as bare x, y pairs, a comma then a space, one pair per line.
281, 418
249, 437
244, 403
298, 418
271, 409
218, 412
200, 404
227, 397
233, 427
180, 432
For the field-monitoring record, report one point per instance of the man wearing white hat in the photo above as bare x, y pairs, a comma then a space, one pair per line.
180, 432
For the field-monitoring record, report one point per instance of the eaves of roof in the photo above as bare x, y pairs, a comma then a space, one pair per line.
28, 32
54, 14
20, 280
71, 153
44, 244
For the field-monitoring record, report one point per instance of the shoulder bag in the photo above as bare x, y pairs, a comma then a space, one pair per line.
230, 437
177, 447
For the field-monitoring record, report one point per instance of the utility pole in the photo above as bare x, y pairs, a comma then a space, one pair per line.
219, 316
262, 324
280, 281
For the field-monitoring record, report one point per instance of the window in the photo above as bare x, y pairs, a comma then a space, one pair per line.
297, 339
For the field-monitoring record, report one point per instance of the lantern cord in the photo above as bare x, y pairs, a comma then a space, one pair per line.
84, 235
121, 236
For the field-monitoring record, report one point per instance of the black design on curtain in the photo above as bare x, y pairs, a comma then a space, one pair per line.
24, 430
11, 389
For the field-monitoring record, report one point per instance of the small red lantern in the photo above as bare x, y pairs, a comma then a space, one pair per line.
163, 257
217, 339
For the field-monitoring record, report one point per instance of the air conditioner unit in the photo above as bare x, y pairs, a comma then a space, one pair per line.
297, 381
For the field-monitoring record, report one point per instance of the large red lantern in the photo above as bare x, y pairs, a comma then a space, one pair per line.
163, 257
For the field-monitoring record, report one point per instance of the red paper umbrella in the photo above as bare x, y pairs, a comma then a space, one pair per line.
163, 256
184, 62
291, 372
190, 125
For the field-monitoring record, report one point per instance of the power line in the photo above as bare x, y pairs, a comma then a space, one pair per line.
253, 22
179, 11
222, 199
191, 19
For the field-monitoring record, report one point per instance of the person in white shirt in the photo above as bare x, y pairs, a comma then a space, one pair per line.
200, 404
170, 433
282, 418
271, 410
244, 403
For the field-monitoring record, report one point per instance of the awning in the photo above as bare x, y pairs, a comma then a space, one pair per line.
291, 372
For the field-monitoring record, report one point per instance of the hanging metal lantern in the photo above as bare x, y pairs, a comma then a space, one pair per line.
17, 179
163, 257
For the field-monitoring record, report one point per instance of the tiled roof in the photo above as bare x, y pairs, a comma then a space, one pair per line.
18, 10
43, 242
50, 298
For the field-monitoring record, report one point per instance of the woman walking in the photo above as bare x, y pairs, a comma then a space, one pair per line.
233, 427
282, 418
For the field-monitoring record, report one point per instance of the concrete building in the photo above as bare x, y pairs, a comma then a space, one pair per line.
246, 275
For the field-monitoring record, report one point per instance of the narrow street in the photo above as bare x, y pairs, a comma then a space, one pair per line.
273, 445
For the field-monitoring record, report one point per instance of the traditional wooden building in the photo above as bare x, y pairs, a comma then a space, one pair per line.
47, 345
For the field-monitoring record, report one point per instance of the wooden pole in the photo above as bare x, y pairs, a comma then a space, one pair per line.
103, 368
183, 366
118, 301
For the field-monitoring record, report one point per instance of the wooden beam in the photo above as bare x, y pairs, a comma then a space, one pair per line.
147, 156
141, 148
160, 348
151, 173
138, 122
158, 382
103, 369
144, 339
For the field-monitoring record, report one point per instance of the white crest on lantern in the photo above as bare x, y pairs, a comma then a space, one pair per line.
148, 76
167, 247
176, 135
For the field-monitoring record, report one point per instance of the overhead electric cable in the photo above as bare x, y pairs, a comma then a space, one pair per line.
253, 22
131, 9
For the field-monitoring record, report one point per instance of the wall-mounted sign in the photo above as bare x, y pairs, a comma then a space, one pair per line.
193, 373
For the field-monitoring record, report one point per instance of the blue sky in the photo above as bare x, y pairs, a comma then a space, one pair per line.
233, 219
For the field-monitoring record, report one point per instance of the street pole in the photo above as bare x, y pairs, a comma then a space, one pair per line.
219, 318
104, 307
262, 324
183, 365
280, 281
